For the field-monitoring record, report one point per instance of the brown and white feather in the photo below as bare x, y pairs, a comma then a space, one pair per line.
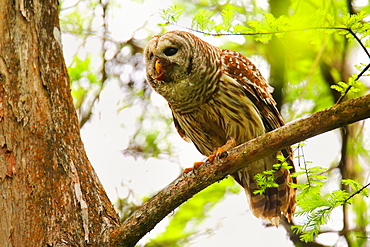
217, 94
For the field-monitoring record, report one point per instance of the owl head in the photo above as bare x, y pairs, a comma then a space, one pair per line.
180, 66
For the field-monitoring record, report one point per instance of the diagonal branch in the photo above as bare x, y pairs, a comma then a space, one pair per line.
183, 188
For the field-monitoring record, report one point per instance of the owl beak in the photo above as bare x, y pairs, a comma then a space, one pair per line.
158, 68
160, 71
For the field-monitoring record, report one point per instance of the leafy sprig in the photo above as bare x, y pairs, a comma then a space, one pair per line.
171, 15
317, 207
266, 179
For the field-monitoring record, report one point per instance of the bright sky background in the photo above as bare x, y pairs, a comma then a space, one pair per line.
105, 138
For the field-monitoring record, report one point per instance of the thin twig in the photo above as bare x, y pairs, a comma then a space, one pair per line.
266, 33
359, 41
350, 86
357, 192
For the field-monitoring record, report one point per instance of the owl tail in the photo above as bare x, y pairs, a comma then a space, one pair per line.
275, 200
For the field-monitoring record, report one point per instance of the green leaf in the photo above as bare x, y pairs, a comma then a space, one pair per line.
203, 20
227, 18
172, 14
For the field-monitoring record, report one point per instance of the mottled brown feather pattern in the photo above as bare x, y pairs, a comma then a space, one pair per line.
217, 94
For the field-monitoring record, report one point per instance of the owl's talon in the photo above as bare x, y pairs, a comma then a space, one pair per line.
222, 151
224, 155
187, 170
216, 154
212, 156
197, 164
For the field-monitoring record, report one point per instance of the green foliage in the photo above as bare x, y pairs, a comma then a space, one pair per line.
79, 20
316, 206
355, 22
202, 20
352, 86
171, 15
227, 18
269, 25
86, 80
152, 137
266, 179
312, 204
125, 207
184, 223
312, 26
356, 186
82, 79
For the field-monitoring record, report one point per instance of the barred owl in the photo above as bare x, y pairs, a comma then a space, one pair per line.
217, 94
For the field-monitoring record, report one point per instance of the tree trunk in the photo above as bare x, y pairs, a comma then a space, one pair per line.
49, 193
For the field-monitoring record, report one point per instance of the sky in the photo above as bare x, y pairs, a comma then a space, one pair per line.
105, 138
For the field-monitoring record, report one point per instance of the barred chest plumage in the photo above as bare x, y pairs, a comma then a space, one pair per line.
208, 131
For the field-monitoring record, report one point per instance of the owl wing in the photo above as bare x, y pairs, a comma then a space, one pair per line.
257, 90
255, 87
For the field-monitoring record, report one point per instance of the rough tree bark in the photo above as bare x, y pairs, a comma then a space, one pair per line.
49, 193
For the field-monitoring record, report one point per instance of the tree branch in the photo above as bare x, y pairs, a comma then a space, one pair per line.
187, 185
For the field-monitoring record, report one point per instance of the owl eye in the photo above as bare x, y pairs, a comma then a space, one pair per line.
170, 51
151, 55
